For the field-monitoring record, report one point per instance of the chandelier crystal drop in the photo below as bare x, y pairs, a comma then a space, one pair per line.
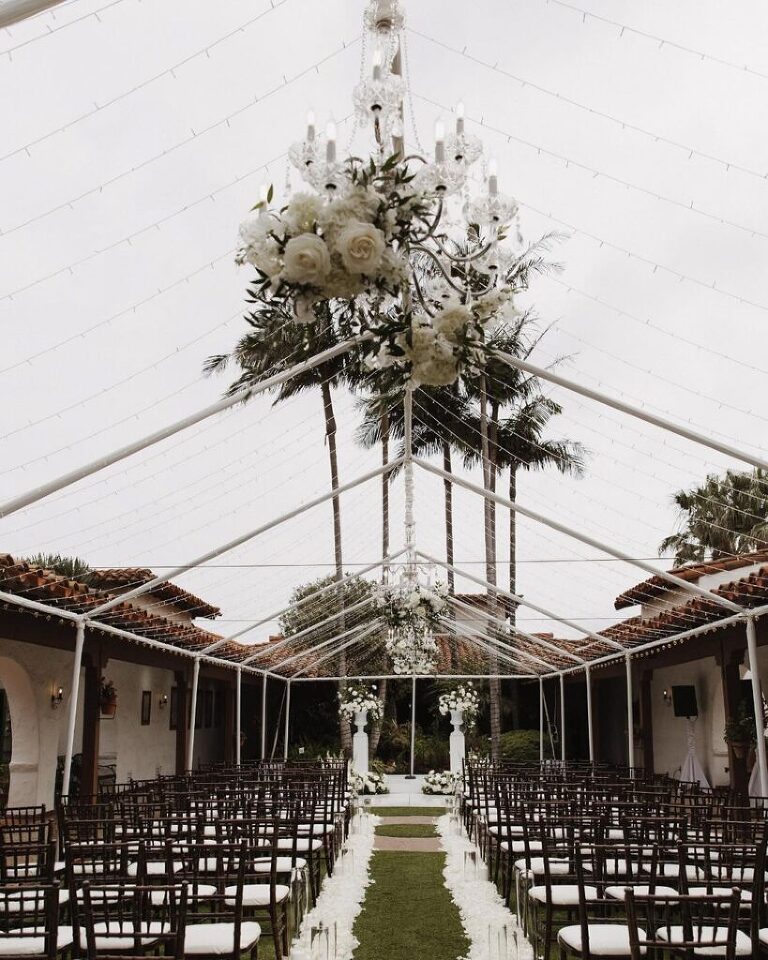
414, 254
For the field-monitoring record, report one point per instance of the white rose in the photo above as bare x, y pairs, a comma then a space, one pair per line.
361, 246
257, 246
452, 321
303, 213
307, 260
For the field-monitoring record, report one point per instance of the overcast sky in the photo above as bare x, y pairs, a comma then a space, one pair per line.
135, 139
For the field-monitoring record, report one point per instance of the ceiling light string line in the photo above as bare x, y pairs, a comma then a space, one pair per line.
632, 427
85, 606
273, 370
167, 72
195, 136
100, 394
650, 324
569, 163
590, 541
590, 499
722, 404
157, 436
313, 564
661, 42
132, 308
9, 51
647, 261
310, 469
691, 152
252, 534
174, 467
282, 542
611, 532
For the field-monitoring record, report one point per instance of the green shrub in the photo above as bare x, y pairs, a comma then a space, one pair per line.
522, 746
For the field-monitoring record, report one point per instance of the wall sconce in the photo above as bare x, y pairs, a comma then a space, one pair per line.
667, 697
162, 700
744, 672
57, 697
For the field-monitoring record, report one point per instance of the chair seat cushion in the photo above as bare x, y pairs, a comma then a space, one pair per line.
217, 939
518, 846
155, 868
203, 891
703, 935
562, 894
605, 939
12, 902
284, 865
13, 945
746, 895
557, 868
762, 936
256, 894
120, 936
303, 844
619, 892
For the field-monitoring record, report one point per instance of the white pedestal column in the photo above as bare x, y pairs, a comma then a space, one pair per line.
360, 744
458, 746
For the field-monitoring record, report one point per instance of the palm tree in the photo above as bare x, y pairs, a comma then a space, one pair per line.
275, 343
513, 442
725, 515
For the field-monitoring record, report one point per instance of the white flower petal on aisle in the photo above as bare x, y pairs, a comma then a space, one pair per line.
341, 898
480, 905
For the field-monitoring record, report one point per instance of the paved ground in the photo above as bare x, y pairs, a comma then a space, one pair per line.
407, 844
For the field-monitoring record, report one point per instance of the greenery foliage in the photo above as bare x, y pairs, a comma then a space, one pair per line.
522, 746
723, 516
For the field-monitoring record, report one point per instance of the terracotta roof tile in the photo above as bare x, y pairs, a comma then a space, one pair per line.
129, 577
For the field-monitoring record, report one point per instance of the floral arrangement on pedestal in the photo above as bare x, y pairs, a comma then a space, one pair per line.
356, 699
412, 612
370, 783
440, 783
464, 698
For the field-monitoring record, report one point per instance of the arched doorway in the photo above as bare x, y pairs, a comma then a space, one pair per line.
19, 696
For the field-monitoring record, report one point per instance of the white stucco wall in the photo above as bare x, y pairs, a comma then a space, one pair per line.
29, 673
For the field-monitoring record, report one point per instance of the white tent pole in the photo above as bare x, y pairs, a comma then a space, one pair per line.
286, 738
630, 717
590, 729
412, 775
73, 697
264, 718
39, 493
14, 11
300, 603
503, 623
243, 538
633, 411
238, 713
562, 717
757, 701
288, 641
530, 606
581, 537
541, 719
193, 715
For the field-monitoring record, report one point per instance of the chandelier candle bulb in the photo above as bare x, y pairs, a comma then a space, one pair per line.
330, 148
378, 59
493, 178
460, 119
311, 127
439, 142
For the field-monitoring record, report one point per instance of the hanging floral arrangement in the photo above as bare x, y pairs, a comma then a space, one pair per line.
412, 613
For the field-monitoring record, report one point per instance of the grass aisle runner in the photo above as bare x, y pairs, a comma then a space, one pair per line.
408, 913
